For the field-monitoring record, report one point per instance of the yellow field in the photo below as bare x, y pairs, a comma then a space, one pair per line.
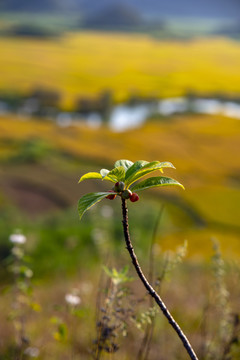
88, 62
203, 149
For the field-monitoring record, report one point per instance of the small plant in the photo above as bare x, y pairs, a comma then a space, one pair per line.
124, 176
113, 314
23, 299
64, 322
224, 342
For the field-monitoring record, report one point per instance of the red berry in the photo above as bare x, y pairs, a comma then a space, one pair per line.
111, 197
134, 197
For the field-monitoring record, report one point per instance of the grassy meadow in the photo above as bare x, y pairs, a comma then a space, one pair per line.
41, 163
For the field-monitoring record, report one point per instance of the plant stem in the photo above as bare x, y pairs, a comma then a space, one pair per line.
149, 288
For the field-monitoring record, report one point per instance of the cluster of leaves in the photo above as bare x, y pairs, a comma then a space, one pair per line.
118, 277
146, 317
128, 172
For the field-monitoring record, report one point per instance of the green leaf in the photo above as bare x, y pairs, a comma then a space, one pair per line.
125, 163
156, 181
107, 271
118, 173
105, 175
147, 169
94, 175
88, 200
62, 330
118, 277
91, 175
135, 168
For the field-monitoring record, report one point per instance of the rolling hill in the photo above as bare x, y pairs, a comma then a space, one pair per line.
156, 8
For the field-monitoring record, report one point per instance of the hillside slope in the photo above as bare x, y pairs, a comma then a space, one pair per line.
203, 149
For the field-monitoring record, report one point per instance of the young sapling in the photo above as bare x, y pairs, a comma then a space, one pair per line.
125, 175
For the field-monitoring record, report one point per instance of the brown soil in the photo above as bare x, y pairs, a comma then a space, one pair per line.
33, 198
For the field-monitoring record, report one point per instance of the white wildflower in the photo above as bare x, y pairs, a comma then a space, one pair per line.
17, 238
72, 299
28, 273
32, 352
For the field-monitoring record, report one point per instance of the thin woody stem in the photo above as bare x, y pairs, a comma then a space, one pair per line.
149, 288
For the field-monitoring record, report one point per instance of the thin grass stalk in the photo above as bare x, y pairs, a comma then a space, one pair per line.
144, 349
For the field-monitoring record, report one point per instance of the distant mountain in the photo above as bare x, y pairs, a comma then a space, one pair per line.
156, 8
162, 8
27, 5
115, 16
232, 30
38, 5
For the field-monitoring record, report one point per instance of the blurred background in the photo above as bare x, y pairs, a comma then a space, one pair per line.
85, 83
